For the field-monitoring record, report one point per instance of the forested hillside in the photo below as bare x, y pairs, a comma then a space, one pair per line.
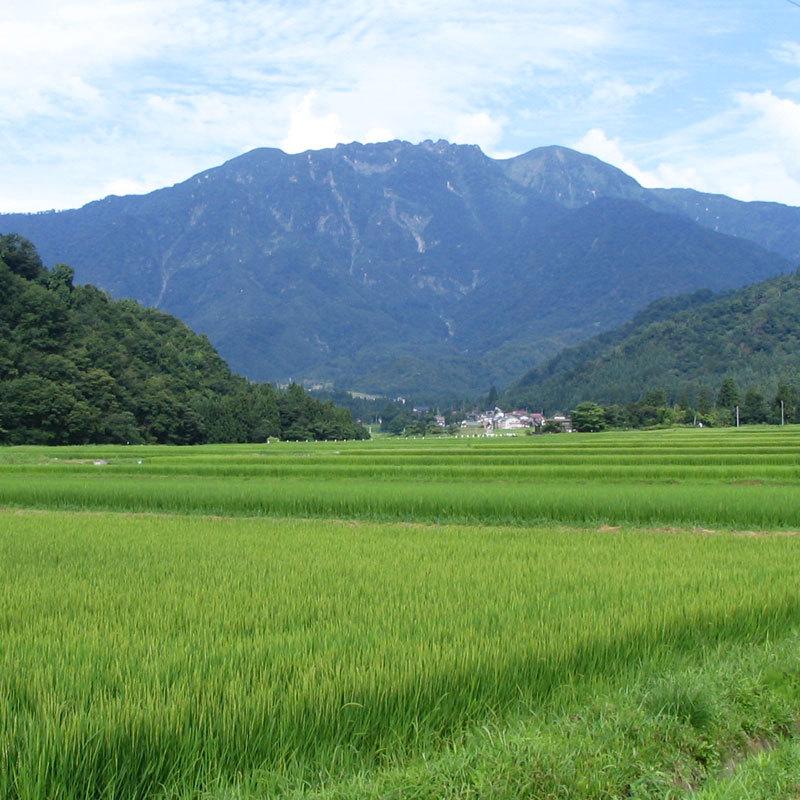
686, 347
77, 367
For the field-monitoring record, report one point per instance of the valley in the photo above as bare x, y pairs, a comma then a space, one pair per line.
424, 269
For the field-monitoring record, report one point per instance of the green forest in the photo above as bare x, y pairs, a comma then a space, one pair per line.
78, 367
685, 348
728, 406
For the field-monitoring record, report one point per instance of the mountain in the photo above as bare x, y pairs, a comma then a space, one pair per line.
571, 179
424, 269
574, 179
681, 345
77, 367
774, 226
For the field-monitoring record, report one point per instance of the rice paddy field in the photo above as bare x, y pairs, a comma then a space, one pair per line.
569, 616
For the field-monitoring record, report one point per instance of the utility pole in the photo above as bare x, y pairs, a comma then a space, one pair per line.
783, 415
737, 416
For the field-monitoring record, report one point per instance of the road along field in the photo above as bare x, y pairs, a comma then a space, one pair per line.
610, 615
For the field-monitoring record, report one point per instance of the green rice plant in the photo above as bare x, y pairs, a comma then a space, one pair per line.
175, 645
737, 505
143, 653
460, 472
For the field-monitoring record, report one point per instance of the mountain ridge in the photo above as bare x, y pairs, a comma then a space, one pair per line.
525, 170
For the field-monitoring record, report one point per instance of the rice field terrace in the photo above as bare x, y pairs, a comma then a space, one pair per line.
567, 616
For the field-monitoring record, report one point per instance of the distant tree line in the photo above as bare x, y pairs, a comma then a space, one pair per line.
756, 406
365, 409
77, 367
402, 420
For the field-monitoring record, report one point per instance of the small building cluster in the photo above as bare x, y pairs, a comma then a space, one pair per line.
497, 420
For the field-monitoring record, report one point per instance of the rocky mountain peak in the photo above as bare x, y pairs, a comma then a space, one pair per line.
568, 177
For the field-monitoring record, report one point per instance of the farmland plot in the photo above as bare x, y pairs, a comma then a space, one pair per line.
564, 616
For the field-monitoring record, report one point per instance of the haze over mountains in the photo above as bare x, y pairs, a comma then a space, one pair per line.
426, 269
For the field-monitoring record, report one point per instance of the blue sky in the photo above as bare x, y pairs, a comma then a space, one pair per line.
125, 96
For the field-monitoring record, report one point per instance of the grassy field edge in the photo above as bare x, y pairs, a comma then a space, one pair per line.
721, 728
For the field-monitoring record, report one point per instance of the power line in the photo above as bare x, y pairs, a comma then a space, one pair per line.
794, 3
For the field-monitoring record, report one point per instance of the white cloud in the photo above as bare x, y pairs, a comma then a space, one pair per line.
774, 120
309, 130
751, 152
789, 53
479, 128
51, 49
126, 186
132, 92
93, 93
378, 135
596, 143
619, 93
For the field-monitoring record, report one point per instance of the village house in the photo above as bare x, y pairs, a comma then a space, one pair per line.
473, 426
511, 422
519, 419
564, 421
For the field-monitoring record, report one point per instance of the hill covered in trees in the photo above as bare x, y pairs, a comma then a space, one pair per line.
684, 347
78, 367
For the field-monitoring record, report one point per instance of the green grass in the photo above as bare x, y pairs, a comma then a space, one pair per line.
712, 504
402, 619
771, 774
615, 739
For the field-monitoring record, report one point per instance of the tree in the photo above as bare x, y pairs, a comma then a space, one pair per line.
417, 427
492, 397
704, 400
616, 416
21, 257
396, 425
684, 402
35, 410
60, 279
787, 394
728, 396
656, 398
266, 419
652, 409
588, 417
754, 408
